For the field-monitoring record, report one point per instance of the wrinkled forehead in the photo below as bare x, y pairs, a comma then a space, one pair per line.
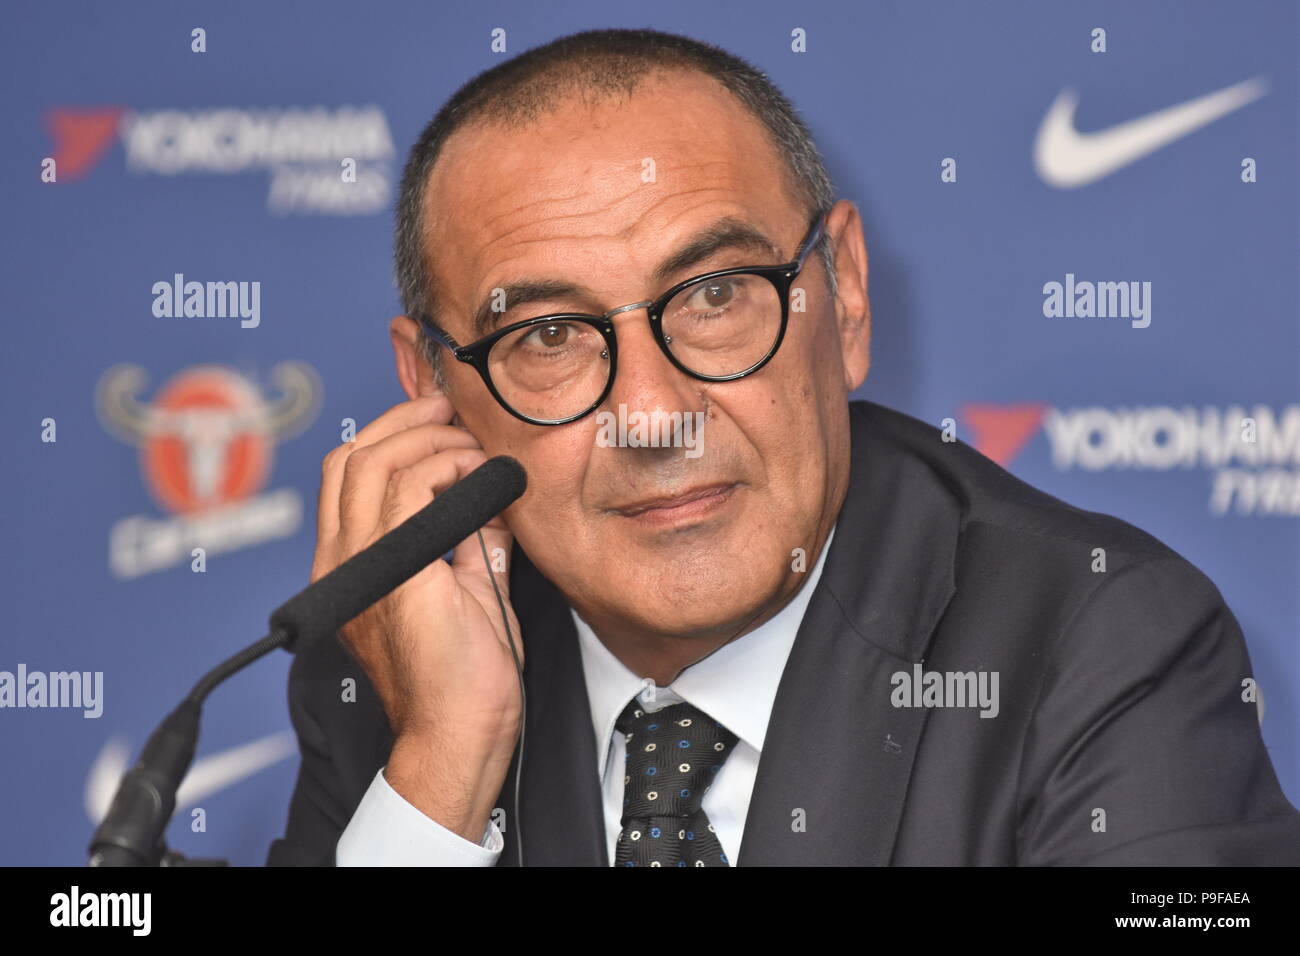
615, 178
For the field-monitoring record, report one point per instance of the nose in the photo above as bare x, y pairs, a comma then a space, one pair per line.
645, 380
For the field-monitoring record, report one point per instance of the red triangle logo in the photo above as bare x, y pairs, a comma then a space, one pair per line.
81, 137
1001, 431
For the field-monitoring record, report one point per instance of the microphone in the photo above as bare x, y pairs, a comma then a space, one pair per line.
131, 833
427, 535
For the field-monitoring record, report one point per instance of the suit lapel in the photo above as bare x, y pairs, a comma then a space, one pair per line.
562, 817
836, 761
837, 758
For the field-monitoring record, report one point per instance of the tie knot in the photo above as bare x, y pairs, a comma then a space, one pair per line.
667, 720
673, 754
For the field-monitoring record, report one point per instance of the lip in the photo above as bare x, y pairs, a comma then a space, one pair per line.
689, 504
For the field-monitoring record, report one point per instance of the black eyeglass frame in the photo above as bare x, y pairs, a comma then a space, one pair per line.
781, 276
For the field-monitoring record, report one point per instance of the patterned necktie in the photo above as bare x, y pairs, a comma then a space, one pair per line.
673, 755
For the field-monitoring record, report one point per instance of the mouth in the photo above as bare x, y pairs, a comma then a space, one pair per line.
694, 503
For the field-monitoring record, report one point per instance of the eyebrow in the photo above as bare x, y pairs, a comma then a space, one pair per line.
726, 234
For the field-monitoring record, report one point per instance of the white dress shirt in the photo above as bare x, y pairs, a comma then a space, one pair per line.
736, 686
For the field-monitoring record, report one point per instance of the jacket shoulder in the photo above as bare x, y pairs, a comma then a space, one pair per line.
992, 497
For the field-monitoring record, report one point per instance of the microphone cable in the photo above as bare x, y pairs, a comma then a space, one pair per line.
523, 699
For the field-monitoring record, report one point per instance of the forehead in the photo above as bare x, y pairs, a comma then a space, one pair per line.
611, 179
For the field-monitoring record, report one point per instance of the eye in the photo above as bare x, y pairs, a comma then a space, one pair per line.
714, 294
550, 336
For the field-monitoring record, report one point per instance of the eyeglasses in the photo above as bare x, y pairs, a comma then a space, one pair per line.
716, 327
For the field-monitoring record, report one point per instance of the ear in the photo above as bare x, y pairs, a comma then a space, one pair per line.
413, 369
852, 306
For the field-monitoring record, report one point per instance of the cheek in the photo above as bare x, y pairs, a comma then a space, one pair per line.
788, 415
825, 339
556, 460
824, 385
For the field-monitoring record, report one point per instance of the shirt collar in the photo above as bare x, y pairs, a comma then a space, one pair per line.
736, 685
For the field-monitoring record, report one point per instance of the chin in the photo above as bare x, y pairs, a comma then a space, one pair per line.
707, 590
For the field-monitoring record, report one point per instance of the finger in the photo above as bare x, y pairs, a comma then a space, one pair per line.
369, 471
434, 408
412, 488
424, 408
467, 556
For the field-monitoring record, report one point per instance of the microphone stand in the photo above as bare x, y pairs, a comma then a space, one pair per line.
131, 833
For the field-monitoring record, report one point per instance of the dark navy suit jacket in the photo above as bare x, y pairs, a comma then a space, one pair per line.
1121, 738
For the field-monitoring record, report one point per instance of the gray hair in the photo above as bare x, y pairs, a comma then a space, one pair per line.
597, 62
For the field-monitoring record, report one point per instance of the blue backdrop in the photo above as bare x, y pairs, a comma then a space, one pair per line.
225, 166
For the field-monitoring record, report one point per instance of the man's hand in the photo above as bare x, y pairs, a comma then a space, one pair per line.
435, 648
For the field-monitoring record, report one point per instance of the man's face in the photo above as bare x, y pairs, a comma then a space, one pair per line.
568, 199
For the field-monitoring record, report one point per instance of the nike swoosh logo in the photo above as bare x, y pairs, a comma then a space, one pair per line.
208, 775
1066, 158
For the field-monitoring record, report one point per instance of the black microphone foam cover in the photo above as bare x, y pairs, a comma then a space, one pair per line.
326, 605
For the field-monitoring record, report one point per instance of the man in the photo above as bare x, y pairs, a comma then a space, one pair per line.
799, 631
